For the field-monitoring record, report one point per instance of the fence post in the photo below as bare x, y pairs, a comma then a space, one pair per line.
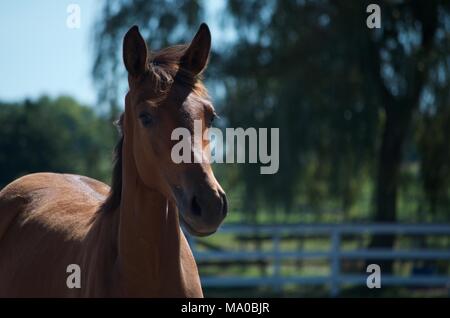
335, 261
276, 262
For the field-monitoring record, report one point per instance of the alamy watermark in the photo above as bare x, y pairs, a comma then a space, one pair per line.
189, 148
374, 279
373, 21
73, 20
74, 278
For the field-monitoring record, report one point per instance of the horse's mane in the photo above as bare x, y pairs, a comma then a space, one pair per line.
112, 202
165, 67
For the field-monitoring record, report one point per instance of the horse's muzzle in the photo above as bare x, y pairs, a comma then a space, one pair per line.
202, 213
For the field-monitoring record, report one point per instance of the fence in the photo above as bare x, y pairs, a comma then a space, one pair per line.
335, 255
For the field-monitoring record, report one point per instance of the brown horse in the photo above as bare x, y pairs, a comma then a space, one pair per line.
126, 240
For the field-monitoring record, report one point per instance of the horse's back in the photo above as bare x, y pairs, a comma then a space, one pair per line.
43, 220
58, 201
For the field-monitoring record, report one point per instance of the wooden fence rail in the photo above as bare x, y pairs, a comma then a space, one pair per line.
334, 255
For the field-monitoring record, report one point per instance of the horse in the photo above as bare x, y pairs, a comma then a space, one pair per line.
125, 239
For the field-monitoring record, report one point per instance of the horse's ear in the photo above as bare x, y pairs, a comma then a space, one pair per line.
196, 56
135, 52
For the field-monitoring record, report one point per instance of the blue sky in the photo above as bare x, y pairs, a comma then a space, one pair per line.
40, 55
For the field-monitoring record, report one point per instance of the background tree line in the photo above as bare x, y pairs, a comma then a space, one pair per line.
53, 135
363, 113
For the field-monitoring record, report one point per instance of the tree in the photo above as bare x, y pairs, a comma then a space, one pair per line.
56, 135
344, 96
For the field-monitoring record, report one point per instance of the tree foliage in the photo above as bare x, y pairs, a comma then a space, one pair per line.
53, 135
353, 104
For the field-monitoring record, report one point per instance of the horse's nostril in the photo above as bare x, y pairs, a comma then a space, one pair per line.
224, 204
196, 209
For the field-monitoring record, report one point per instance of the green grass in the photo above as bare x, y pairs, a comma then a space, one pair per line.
323, 292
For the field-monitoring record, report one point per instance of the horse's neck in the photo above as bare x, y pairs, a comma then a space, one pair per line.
149, 239
149, 242
153, 257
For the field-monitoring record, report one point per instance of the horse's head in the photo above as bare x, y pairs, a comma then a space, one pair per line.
165, 93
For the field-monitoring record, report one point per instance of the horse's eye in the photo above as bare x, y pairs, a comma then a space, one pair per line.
145, 118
